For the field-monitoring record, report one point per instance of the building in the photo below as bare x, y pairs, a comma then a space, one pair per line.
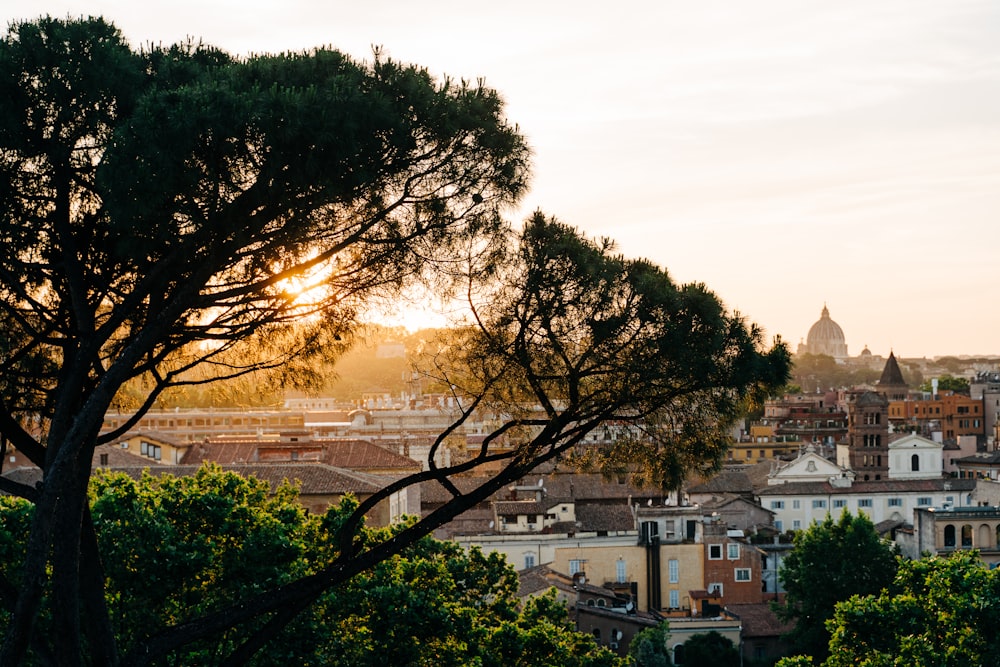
797, 505
866, 451
946, 416
825, 337
915, 457
943, 529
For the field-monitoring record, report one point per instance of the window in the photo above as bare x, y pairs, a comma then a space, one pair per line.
529, 560
620, 571
819, 504
743, 574
733, 551
777, 504
673, 570
796, 525
895, 502
715, 552
864, 502
675, 599
576, 566
839, 503
795, 504
915, 463
778, 526
715, 589
924, 501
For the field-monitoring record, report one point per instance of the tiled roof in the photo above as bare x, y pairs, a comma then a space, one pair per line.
727, 481
541, 578
117, 457
758, 620
517, 507
988, 458
353, 454
433, 493
599, 517
361, 454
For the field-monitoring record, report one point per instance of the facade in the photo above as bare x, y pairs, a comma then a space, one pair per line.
941, 530
915, 457
196, 425
949, 414
797, 505
867, 447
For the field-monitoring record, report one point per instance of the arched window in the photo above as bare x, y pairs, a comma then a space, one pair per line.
983, 535
678, 654
915, 463
949, 535
966, 536
597, 636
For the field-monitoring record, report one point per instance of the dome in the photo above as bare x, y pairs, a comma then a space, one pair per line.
826, 337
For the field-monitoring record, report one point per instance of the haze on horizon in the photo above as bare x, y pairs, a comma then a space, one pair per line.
787, 154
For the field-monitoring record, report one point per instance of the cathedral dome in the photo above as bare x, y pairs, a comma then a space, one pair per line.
826, 337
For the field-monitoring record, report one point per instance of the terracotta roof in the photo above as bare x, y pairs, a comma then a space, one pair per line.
433, 493
598, 517
727, 481
352, 454
361, 454
517, 507
758, 620
587, 486
117, 456
541, 578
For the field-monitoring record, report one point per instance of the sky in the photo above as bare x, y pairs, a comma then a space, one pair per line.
786, 153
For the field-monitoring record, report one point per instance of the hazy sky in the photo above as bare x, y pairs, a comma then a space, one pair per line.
786, 153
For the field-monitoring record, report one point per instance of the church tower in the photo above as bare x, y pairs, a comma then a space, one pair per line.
891, 384
868, 436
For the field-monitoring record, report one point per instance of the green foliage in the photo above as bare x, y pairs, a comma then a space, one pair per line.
162, 211
613, 338
176, 215
177, 547
795, 661
814, 372
946, 382
830, 562
649, 647
710, 650
939, 612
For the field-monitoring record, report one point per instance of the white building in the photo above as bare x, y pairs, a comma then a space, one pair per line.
915, 457
797, 505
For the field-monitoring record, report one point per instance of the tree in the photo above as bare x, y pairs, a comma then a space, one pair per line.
170, 209
830, 562
166, 538
649, 647
946, 382
939, 611
710, 650
176, 210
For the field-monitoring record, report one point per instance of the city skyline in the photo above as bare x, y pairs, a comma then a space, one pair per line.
786, 154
